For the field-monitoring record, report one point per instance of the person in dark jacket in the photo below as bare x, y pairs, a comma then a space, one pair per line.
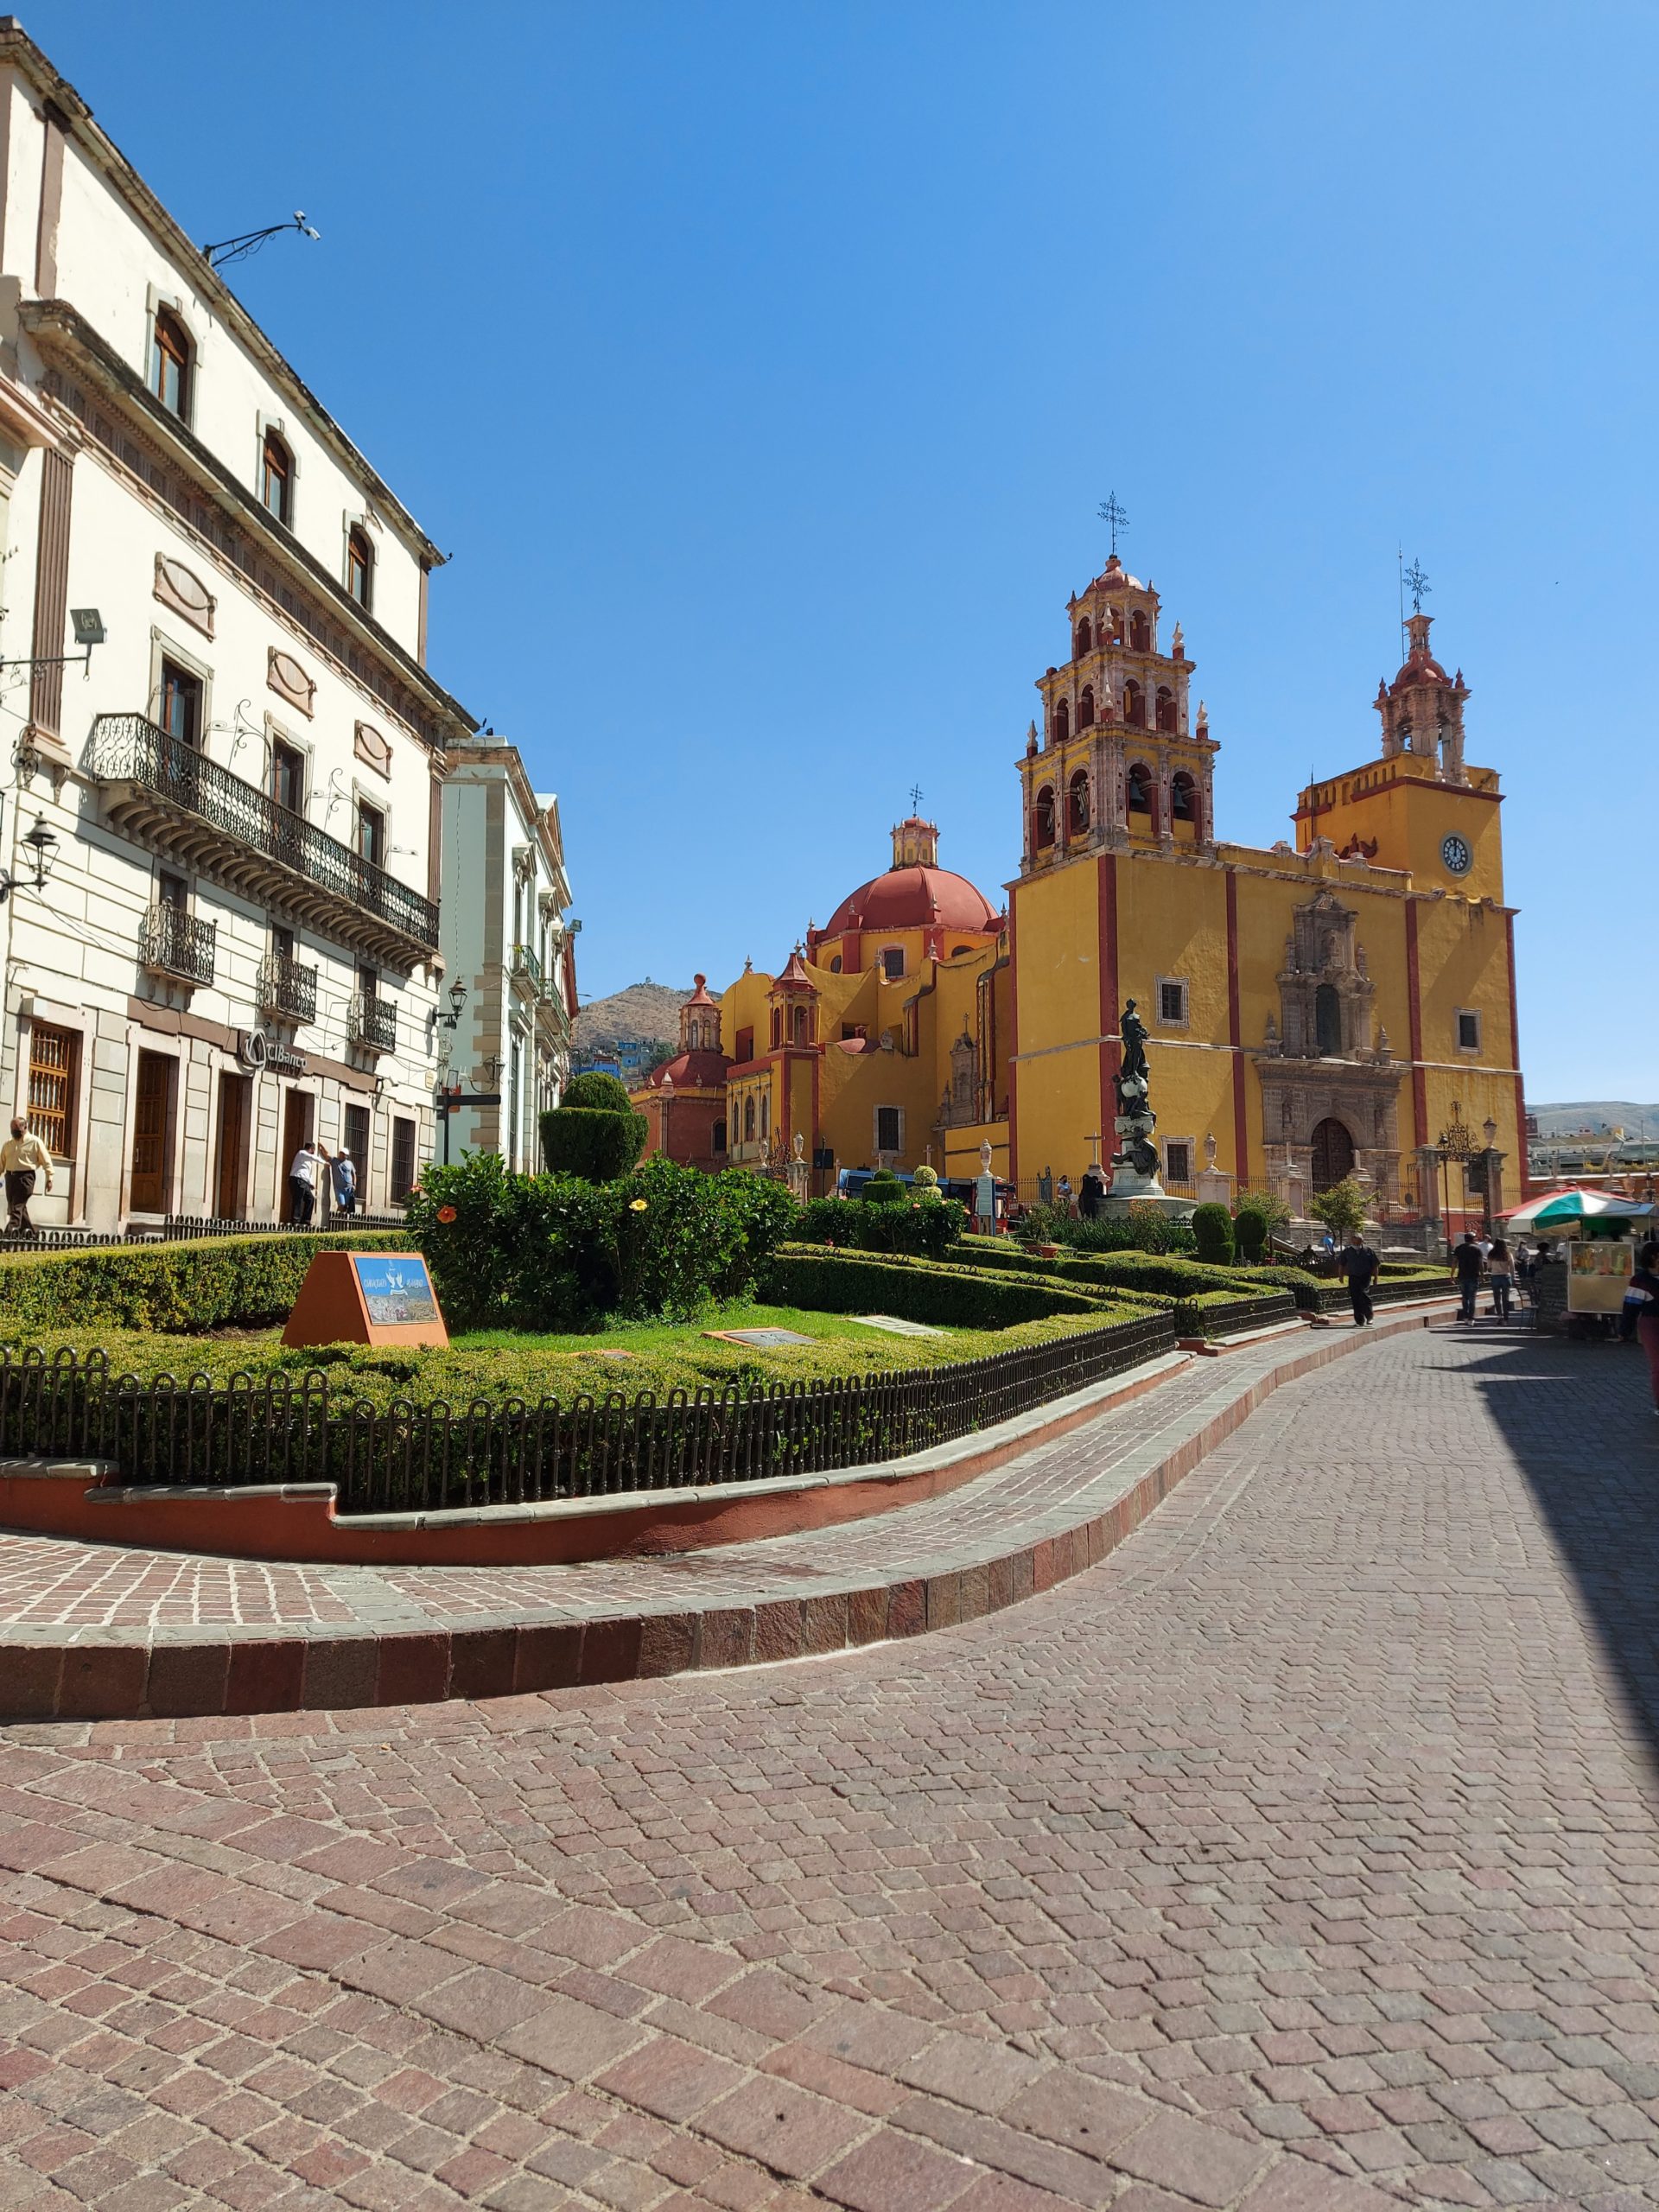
1360, 1266
1467, 1262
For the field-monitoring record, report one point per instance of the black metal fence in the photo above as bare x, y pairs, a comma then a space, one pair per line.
185, 1228
408, 1457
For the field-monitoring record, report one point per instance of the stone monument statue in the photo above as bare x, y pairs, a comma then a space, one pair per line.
1135, 1163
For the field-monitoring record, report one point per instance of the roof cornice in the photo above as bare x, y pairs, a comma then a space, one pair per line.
18, 48
56, 325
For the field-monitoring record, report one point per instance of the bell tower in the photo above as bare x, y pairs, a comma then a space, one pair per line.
1121, 759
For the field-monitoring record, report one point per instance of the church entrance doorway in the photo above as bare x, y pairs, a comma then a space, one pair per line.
1333, 1154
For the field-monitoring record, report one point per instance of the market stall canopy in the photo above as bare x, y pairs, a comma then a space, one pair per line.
1560, 1209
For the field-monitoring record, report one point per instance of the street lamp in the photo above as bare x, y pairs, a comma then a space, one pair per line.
42, 845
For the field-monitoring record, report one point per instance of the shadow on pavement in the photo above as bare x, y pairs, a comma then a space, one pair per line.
1579, 1420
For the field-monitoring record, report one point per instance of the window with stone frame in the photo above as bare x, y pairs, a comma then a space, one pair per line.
403, 1158
54, 1085
1172, 1002
1178, 1159
1468, 1030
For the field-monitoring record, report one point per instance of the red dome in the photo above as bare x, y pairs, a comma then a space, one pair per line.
1420, 667
913, 899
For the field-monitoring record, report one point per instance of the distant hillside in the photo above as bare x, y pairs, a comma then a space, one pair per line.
1595, 1114
645, 1009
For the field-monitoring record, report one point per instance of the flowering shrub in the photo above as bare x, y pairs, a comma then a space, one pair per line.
558, 1252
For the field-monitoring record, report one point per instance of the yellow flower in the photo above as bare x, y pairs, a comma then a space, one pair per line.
636, 1205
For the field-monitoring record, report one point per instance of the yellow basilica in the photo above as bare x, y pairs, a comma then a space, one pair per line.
1345, 1004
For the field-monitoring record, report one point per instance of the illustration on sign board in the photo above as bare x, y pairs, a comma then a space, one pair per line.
396, 1287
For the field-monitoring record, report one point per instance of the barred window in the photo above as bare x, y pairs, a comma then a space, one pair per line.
54, 1080
403, 1158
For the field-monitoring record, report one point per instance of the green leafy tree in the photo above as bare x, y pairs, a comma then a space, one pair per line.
1342, 1208
594, 1132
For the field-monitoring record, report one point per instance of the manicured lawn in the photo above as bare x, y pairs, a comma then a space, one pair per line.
637, 1336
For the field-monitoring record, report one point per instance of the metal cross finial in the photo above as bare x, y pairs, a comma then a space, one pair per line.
915, 797
1417, 584
1112, 512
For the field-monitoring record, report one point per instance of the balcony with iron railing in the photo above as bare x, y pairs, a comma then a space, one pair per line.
170, 796
173, 944
371, 1022
527, 969
287, 990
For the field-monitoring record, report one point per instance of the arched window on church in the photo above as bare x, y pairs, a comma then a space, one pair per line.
1327, 1021
835, 964
748, 1119
766, 1117
1085, 637
1140, 633
1139, 789
1135, 705
777, 1027
717, 1138
1042, 818
800, 1025
1062, 721
1182, 799
1077, 804
1165, 715
1086, 708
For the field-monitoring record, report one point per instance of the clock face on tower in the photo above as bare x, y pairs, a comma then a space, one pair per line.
1457, 855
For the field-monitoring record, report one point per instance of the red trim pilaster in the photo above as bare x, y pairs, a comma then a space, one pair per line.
1415, 1003
1014, 1043
1523, 1172
1236, 1036
1111, 1055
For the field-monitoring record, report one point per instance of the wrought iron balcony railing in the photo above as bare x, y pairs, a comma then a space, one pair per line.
286, 990
527, 962
174, 943
371, 1022
171, 794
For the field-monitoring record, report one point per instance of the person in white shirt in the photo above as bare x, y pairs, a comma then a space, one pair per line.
22, 1157
303, 1183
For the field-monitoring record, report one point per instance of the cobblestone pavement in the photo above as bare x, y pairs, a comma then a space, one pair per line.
1301, 1857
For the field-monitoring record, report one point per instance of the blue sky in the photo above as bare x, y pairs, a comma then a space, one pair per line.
763, 368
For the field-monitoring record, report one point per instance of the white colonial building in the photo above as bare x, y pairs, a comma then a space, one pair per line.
234, 940
508, 944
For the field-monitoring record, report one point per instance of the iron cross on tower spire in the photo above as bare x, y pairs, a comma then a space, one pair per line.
1112, 513
915, 797
1417, 584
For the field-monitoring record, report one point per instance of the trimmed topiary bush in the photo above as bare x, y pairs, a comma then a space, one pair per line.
883, 1189
915, 1290
594, 1091
594, 1132
1212, 1231
1250, 1231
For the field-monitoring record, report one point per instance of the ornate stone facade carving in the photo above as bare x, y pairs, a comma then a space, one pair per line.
1329, 1096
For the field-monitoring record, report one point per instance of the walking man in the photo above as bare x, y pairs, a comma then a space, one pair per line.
1466, 1264
303, 1183
22, 1157
1360, 1264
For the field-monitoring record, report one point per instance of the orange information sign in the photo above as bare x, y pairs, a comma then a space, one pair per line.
366, 1298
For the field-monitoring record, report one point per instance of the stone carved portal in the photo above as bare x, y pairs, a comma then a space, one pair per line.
1330, 1092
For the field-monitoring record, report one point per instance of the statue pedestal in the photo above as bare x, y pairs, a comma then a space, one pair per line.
1214, 1189
1129, 1188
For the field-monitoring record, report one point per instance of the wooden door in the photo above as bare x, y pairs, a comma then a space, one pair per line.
152, 1118
1333, 1154
235, 1115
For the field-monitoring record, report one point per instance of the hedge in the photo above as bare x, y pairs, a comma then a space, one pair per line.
926, 1229
221, 1283
915, 1290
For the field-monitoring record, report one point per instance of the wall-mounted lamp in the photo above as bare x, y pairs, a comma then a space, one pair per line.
42, 845
457, 1000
